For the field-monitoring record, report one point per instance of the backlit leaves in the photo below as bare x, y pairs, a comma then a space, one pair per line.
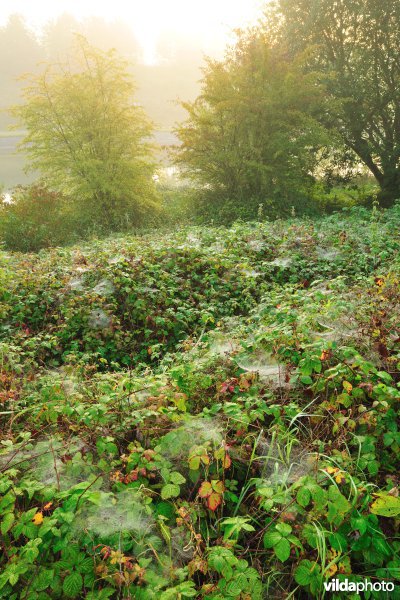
386, 505
212, 492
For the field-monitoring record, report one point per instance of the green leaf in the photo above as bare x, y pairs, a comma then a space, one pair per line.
71, 553
388, 439
386, 377
194, 463
338, 506
310, 535
359, 523
306, 572
306, 366
267, 492
227, 571
338, 542
303, 496
373, 467
103, 594
7, 523
344, 399
284, 529
31, 551
271, 538
302, 574
386, 506
86, 565
218, 486
233, 589
318, 495
170, 490
217, 562
282, 549
72, 584
177, 478
43, 580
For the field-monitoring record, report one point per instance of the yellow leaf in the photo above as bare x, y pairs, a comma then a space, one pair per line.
116, 556
332, 570
38, 519
347, 386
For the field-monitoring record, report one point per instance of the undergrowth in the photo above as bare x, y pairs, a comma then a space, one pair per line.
211, 414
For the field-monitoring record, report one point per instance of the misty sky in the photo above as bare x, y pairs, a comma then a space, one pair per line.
209, 22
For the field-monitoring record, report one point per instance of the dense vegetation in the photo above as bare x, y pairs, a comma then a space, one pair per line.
302, 101
86, 137
210, 413
301, 116
204, 404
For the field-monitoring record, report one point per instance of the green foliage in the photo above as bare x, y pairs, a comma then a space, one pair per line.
280, 539
303, 102
351, 47
247, 140
178, 205
37, 218
130, 301
252, 450
87, 137
236, 579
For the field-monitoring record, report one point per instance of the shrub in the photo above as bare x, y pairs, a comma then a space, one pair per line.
36, 218
89, 139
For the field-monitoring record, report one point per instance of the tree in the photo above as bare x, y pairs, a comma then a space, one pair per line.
19, 49
248, 139
19, 52
88, 138
356, 56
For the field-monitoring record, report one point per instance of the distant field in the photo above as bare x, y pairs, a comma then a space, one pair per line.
12, 164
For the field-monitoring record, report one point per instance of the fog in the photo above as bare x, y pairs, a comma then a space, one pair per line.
164, 44
173, 76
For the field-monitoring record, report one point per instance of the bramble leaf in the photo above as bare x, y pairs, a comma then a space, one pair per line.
205, 489
386, 506
213, 501
170, 490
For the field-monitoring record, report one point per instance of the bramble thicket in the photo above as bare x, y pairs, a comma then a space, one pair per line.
199, 376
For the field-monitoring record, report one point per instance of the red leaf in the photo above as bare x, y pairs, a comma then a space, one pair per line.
213, 501
227, 461
205, 489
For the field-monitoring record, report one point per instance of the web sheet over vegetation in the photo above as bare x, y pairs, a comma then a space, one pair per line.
208, 414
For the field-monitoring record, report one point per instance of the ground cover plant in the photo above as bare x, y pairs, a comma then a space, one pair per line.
211, 413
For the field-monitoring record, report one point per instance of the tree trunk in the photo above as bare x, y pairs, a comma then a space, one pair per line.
390, 189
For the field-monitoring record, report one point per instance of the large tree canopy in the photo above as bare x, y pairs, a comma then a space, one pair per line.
88, 138
248, 138
355, 47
